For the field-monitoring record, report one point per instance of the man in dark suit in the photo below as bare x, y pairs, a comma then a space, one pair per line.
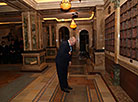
63, 59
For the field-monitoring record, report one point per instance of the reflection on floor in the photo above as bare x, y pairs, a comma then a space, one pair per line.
12, 82
44, 87
7, 77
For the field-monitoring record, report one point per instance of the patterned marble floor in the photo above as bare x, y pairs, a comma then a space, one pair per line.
118, 92
86, 88
45, 87
90, 88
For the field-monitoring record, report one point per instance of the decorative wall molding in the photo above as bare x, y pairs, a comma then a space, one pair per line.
55, 4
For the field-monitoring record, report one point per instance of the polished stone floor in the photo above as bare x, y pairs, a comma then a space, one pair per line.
118, 92
44, 87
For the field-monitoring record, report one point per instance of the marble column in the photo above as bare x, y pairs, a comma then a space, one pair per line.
117, 34
34, 55
100, 27
99, 44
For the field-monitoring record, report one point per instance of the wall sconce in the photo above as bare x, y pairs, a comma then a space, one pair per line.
73, 24
65, 5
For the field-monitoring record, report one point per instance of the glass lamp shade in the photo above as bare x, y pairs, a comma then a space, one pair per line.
73, 24
65, 5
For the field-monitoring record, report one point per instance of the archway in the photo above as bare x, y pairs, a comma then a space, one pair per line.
63, 34
84, 41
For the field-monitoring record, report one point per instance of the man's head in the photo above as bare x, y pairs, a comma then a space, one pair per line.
72, 40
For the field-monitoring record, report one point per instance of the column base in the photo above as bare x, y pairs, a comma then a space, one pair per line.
34, 61
99, 61
34, 67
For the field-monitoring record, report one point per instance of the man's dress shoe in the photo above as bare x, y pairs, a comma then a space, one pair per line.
70, 88
65, 90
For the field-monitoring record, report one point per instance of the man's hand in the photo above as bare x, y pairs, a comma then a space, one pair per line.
70, 53
70, 63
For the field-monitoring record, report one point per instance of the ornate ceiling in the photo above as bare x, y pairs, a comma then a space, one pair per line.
55, 4
47, 8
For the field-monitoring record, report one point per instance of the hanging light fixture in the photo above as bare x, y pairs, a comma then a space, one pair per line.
73, 24
3, 4
65, 5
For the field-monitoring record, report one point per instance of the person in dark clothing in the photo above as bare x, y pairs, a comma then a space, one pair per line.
4, 52
12, 52
63, 60
21, 49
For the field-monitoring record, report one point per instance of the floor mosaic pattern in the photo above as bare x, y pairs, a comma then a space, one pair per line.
44, 87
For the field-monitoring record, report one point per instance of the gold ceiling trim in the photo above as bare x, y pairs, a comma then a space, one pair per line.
10, 22
78, 19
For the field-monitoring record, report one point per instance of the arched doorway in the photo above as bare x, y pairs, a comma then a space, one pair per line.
84, 41
63, 34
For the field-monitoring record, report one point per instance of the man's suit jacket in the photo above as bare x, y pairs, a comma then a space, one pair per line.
63, 57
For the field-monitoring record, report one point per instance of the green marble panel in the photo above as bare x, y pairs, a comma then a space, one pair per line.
53, 36
51, 52
116, 75
33, 32
31, 60
26, 32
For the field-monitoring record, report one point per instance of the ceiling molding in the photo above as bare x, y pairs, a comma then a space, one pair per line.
19, 5
32, 3
56, 4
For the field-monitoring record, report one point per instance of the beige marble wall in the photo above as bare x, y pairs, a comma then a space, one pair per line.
58, 26
100, 27
84, 26
81, 25
99, 24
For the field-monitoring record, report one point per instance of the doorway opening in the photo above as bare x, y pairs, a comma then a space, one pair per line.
84, 42
63, 34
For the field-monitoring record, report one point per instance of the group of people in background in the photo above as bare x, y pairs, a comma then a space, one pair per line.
11, 54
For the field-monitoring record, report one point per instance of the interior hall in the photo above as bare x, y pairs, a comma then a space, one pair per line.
104, 64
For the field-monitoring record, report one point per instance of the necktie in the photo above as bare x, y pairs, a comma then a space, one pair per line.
70, 48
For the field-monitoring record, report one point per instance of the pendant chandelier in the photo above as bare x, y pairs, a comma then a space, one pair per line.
73, 24
65, 5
